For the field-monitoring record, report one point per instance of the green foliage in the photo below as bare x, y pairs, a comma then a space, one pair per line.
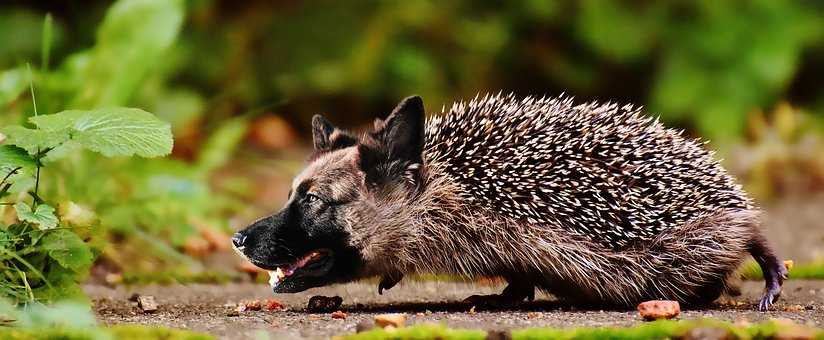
664, 329
68, 320
805, 271
131, 42
42, 216
42, 258
12, 84
111, 132
157, 204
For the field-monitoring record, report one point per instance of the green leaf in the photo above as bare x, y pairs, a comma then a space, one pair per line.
12, 157
112, 132
33, 140
68, 250
12, 83
43, 215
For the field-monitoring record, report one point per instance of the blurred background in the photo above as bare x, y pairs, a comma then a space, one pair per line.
239, 82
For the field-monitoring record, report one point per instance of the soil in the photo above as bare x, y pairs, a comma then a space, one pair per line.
206, 308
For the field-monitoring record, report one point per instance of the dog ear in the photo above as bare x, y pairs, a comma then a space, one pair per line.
326, 137
402, 133
321, 131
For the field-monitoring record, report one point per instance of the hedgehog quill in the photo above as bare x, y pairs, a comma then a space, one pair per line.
593, 203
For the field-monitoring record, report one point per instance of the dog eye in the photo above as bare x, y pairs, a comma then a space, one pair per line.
311, 198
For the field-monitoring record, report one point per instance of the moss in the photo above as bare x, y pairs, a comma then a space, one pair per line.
126, 332
653, 330
419, 332
808, 271
144, 332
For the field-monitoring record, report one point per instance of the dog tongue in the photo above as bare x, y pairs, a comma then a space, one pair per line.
278, 274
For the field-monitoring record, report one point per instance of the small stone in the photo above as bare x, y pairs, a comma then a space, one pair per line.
659, 309
364, 325
809, 307
147, 303
338, 315
793, 308
419, 314
472, 310
533, 315
253, 305
396, 320
323, 304
232, 312
498, 335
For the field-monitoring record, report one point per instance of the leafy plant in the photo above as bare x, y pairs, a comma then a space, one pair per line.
42, 256
150, 209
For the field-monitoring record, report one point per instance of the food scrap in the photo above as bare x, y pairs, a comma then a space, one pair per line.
253, 305
659, 309
390, 320
323, 304
273, 304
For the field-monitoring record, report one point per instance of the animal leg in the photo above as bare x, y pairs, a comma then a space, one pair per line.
514, 293
774, 271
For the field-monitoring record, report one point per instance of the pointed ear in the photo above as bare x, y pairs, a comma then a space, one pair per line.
402, 133
321, 131
326, 136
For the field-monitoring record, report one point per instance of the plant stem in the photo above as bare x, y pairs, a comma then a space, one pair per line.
34, 103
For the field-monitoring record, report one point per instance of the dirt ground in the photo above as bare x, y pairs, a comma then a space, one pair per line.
206, 307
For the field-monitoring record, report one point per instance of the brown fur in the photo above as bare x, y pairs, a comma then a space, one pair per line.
428, 223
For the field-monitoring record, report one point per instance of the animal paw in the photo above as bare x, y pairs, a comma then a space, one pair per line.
494, 300
769, 297
388, 281
773, 289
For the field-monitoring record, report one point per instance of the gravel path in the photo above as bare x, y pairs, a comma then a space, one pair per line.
205, 308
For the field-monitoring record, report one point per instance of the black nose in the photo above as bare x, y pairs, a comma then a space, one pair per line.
238, 240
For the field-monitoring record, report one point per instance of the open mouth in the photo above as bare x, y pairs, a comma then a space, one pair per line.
314, 262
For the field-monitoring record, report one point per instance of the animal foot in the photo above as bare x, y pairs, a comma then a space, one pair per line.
494, 300
388, 281
772, 291
512, 295
770, 296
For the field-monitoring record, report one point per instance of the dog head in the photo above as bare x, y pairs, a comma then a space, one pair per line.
345, 212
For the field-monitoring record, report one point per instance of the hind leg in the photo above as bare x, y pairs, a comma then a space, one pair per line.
516, 292
773, 269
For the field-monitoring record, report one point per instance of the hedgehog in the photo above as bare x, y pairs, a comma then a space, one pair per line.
592, 203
